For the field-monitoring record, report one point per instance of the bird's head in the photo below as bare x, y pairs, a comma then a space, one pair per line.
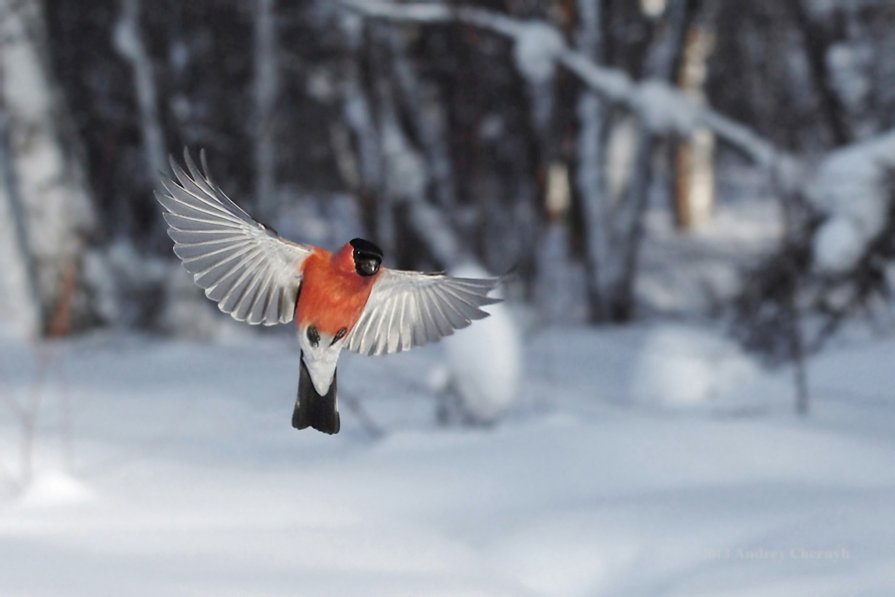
361, 256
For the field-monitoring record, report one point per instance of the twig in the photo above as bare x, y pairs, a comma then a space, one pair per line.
791, 299
367, 423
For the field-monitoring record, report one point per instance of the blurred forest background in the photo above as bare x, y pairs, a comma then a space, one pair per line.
629, 159
697, 200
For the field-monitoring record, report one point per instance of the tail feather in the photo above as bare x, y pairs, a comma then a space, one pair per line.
312, 409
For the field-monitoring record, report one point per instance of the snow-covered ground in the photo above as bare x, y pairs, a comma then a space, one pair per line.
187, 478
704, 269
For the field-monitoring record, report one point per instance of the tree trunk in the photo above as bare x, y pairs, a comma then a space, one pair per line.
661, 61
265, 96
694, 172
19, 295
43, 178
816, 44
591, 189
427, 119
129, 43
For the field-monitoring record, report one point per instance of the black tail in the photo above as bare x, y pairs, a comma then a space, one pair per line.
312, 409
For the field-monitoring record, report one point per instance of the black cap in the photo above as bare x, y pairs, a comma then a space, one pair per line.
366, 248
367, 257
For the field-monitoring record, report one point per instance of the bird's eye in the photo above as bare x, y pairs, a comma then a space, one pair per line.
367, 266
367, 257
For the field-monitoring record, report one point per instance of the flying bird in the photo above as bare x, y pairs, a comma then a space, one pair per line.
341, 299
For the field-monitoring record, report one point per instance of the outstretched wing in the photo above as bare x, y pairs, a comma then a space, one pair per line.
249, 271
408, 309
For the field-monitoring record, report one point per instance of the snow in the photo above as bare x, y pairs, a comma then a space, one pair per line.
535, 51
416, 12
55, 489
188, 478
711, 263
850, 66
682, 367
540, 47
852, 186
610, 83
537, 47
838, 245
124, 37
484, 360
666, 110
405, 171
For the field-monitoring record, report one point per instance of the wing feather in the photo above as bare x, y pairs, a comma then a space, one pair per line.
408, 309
246, 268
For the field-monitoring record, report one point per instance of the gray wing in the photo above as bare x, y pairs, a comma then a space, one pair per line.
249, 271
408, 309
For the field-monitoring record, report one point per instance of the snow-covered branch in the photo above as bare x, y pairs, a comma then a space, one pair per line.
662, 107
852, 188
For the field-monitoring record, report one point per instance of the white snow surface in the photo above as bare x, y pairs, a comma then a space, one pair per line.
55, 488
680, 366
188, 479
710, 263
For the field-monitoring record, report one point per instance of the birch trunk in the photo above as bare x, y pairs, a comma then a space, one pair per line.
43, 181
19, 296
694, 173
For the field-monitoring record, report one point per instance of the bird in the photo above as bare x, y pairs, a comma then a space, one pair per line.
343, 299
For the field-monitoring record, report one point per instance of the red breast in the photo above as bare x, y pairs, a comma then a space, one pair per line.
332, 295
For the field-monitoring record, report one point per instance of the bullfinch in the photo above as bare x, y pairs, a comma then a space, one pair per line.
341, 299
